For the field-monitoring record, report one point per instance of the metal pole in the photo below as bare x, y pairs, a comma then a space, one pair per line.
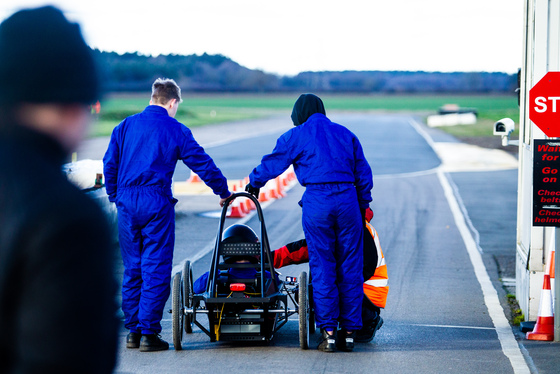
556, 288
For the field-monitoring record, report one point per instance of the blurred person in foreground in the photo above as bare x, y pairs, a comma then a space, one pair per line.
57, 291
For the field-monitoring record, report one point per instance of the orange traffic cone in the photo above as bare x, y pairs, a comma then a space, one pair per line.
275, 189
264, 195
285, 179
244, 208
551, 271
544, 328
194, 178
280, 187
235, 211
248, 203
291, 174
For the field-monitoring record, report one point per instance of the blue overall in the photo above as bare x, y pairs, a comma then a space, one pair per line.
329, 161
138, 168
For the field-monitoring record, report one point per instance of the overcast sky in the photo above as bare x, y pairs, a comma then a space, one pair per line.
290, 36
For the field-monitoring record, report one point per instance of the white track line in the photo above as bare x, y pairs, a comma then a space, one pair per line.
491, 299
452, 326
509, 344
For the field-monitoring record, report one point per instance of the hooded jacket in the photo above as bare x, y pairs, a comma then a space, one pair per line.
320, 150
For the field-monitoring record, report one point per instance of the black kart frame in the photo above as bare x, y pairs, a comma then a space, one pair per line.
235, 316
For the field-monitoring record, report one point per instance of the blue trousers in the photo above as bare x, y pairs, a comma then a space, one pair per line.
333, 229
147, 238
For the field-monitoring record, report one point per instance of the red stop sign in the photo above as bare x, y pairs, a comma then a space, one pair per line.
544, 104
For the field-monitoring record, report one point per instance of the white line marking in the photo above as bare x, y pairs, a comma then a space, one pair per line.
465, 213
495, 310
432, 144
453, 327
510, 347
408, 175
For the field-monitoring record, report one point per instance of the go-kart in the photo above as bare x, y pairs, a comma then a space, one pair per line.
241, 309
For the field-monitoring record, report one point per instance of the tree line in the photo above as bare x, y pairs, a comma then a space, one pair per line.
131, 72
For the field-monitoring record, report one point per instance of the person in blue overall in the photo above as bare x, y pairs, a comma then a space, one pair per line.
329, 161
138, 167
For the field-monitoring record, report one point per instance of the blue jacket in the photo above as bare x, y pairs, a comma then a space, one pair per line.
154, 143
321, 152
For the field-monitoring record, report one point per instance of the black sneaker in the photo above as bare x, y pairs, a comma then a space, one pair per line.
133, 340
367, 332
345, 341
328, 342
152, 343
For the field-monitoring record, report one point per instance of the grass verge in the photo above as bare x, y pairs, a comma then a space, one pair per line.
204, 109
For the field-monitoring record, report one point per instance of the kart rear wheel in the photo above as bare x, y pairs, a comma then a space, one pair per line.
188, 295
177, 314
311, 309
303, 311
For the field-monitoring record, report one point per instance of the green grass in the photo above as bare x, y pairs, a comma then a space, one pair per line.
204, 109
517, 315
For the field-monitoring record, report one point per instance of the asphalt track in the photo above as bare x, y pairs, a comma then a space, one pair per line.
435, 212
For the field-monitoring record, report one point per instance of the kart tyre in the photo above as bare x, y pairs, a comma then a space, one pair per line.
311, 309
188, 295
303, 311
177, 314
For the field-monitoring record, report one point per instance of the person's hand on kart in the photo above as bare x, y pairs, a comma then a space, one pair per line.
223, 201
252, 190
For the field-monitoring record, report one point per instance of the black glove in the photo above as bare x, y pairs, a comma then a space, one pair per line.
252, 190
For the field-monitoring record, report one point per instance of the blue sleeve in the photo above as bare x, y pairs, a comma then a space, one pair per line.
363, 176
194, 156
199, 285
273, 164
111, 162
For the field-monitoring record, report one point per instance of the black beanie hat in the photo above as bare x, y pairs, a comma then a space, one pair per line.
44, 59
306, 105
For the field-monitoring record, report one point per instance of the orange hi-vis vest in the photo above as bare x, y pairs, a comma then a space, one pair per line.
376, 287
